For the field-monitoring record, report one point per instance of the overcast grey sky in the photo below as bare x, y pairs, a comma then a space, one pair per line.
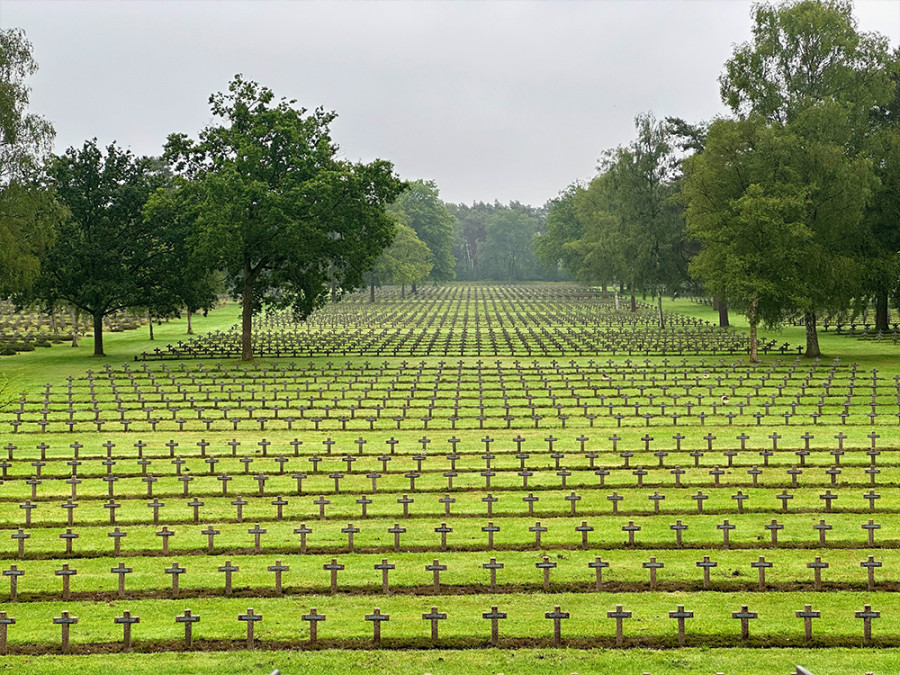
505, 100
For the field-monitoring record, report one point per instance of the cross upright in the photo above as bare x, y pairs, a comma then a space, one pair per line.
434, 616
867, 614
619, 615
13, 573
396, 530
278, 568
494, 616
228, 569
64, 621
376, 617
250, 618
333, 567
706, 564
188, 620
870, 564
126, 620
385, 567
5, 622
314, 618
680, 614
121, 570
808, 614
557, 616
744, 615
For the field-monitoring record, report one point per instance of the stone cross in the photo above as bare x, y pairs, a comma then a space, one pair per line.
385, 567
557, 616
210, 533
807, 614
598, 566
176, 572
396, 530
495, 617
678, 528
250, 618
314, 618
680, 615
584, 528
434, 616
653, 565
188, 620
65, 621
761, 565
65, 573
126, 620
744, 615
619, 615
121, 570
303, 530
228, 569
817, 566
706, 564
333, 567
870, 566
376, 617
5, 623
867, 615
545, 565
436, 568
278, 569
13, 573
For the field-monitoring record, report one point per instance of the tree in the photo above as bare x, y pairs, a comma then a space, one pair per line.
276, 208
562, 226
426, 214
810, 70
29, 214
406, 261
509, 245
746, 205
106, 257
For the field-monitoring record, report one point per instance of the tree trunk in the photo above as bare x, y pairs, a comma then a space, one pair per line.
812, 336
98, 334
190, 330
603, 290
616, 291
150, 321
53, 320
754, 322
881, 311
722, 306
247, 317
715, 303
633, 301
662, 319
74, 326
412, 290
402, 291
754, 347
372, 292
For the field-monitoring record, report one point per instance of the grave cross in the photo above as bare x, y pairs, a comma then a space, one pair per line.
188, 620
314, 618
64, 621
250, 618
126, 620
13, 573
121, 570
5, 623
807, 614
680, 614
278, 569
333, 567
495, 617
557, 616
434, 616
619, 615
228, 569
376, 617
744, 615
867, 614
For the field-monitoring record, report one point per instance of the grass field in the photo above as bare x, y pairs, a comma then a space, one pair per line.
427, 458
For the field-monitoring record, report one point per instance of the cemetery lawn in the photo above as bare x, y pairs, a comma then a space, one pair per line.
386, 378
836, 661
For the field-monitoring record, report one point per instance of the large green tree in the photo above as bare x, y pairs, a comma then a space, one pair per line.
420, 206
278, 210
107, 256
809, 69
29, 214
509, 245
406, 261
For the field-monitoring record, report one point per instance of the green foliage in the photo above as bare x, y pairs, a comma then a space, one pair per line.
508, 244
28, 212
561, 227
421, 208
275, 207
406, 261
106, 257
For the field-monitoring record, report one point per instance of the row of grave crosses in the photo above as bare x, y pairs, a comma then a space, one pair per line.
434, 617
544, 566
626, 455
20, 536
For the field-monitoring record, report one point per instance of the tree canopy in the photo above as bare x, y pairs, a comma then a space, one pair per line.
276, 208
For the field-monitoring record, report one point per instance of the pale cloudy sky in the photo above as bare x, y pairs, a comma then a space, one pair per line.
506, 100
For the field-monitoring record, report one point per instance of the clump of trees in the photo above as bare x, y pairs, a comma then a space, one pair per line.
787, 207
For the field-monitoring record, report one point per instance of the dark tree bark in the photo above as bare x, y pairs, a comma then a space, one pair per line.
74, 326
633, 301
662, 317
98, 334
372, 292
812, 335
190, 330
247, 315
881, 311
412, 290
150, 321
722, 307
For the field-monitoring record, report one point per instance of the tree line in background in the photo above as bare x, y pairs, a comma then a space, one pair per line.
789, 207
